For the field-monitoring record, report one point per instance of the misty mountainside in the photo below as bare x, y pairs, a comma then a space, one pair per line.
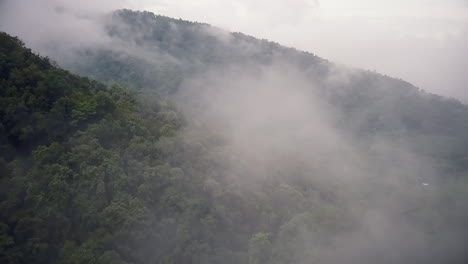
154, 52
189, 144
160, 52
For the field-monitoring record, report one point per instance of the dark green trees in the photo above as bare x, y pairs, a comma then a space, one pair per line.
73, 163
260, 249
95, 173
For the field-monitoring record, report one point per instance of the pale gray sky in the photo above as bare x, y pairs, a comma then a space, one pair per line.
422, 41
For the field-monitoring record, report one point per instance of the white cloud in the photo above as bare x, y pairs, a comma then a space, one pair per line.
421, 41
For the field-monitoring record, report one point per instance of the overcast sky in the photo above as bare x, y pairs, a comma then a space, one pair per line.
422, 41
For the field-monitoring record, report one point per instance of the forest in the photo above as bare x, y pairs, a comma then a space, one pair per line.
182, 143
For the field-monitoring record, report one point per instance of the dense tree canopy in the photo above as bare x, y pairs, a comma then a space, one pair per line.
100, 173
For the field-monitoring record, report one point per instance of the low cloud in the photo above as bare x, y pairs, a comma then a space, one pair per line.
276, 126
421, 41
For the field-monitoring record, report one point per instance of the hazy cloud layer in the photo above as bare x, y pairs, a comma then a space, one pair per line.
269, 117
56, 27
421, 41
274, 124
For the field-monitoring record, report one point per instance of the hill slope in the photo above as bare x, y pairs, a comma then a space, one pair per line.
272, 156
164, 54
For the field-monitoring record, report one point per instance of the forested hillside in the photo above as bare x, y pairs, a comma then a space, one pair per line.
203, 146
70, 150
163, 54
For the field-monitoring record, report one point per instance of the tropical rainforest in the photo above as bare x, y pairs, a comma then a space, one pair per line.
183, 143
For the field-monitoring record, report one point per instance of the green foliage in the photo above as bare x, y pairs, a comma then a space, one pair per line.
260, 249
41, 103
71, 175
94, 173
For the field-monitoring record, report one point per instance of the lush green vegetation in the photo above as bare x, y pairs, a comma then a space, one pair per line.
96, 173
90, 174
160, 53
68, 147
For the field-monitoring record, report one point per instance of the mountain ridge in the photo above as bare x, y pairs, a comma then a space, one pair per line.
222, 150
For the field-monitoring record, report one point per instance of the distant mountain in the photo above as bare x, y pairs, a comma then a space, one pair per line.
189, 144
160, 53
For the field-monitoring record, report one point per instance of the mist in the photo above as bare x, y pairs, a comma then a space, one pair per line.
421, 41
276, 127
